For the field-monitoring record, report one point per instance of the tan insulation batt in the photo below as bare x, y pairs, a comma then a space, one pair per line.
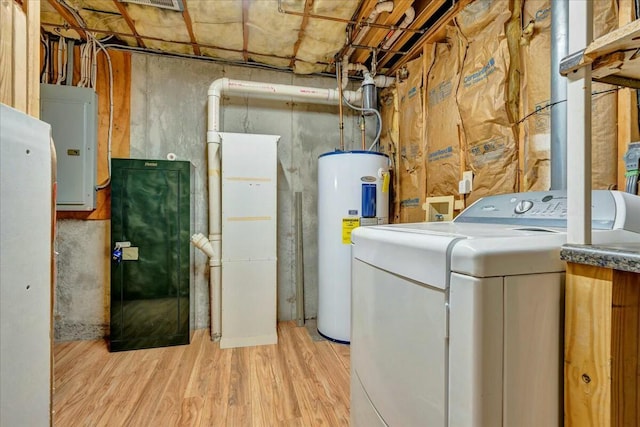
411, 165
225, 24
483, 99
445, 148
217, 27
604, 108
389, 137
323, 38
535, 96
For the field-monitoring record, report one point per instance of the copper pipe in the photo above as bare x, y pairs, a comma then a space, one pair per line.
362, 131
340, 108
347, 21
365, 47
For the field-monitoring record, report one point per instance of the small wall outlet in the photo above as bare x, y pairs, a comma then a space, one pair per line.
468, 176
464, 187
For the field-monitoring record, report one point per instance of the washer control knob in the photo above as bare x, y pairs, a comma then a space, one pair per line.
523, 206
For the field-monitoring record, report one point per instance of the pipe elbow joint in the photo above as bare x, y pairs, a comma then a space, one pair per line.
215, 89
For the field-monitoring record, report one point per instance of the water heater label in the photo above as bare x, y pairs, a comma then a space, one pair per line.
368, 179
348, 224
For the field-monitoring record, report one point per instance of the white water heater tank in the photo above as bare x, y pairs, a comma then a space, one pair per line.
353, 191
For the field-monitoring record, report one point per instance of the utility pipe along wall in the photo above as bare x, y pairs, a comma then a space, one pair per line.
249, 88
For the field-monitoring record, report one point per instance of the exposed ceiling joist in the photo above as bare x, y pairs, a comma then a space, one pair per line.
115, 33
245, 29
424, 11
189, 24
431, 36
375, 36
363, 13
308, 7
67, 16
224, 29
130, 23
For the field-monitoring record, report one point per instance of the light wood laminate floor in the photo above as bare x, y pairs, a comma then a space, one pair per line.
298, 382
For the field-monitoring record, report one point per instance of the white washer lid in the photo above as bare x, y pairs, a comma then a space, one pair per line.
425, 252
410, 250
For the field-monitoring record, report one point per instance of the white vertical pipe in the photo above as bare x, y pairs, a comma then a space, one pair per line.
215, 237
579, 128
216, 89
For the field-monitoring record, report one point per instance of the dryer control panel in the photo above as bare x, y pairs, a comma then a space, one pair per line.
540, 209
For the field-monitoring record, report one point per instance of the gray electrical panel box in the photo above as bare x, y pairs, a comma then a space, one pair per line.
72, 113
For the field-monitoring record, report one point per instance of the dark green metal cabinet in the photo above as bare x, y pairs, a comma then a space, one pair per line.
152, 283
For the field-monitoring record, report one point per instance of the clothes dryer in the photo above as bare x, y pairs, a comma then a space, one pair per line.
460, 323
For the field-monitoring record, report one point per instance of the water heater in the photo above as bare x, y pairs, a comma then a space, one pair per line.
353, 191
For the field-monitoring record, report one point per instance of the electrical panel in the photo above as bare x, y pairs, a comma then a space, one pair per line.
72, 113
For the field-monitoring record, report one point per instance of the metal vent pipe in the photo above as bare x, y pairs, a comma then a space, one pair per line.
559, 50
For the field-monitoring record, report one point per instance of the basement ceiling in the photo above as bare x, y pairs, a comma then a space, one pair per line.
303, 36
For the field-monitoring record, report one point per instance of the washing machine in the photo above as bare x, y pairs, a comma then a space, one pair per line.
461, 323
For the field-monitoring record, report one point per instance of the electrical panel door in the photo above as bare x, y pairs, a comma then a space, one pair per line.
72, 113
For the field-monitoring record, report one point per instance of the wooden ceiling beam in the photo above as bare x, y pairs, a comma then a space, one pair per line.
424, 12
187, 20
130, 23
158, 39
67, 16
308, 5
376, 35
361, 15
245, 30
431, 36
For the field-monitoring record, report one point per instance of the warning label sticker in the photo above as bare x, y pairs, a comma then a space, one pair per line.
348, 224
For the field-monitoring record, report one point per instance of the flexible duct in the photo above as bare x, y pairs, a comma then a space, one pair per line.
216, 89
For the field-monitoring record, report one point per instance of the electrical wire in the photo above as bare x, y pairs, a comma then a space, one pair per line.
110, 134
62, 60
44, 40
90, 52
551, 104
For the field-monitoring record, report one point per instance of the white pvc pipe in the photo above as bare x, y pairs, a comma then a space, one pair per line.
383, 81
346, 67
216, 89
409, 16
385, 6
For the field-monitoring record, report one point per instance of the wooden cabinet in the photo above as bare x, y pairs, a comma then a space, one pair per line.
602, 351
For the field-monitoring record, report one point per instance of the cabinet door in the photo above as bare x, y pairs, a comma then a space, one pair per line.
150, 284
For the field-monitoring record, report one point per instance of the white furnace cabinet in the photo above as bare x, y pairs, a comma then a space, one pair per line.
249, 257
